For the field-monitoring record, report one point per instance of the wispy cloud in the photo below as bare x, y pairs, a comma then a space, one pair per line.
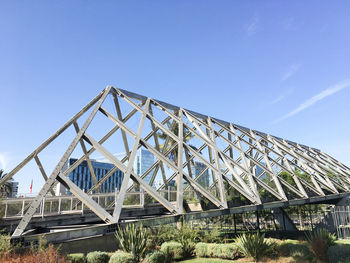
3, 161
252, 27
320, 96
292, 69
282, 96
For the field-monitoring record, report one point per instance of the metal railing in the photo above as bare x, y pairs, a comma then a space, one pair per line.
68, 204
65, 204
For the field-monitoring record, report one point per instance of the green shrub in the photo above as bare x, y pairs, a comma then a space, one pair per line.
121, 257
323, 234
212, 236
173, 247
97, 257
339, 253
187, 236
201, 250
155, 257
224, 251
5, 245
298, 251
76, 258
254, 245
188, 247
133, 239
158, 235
228, 251
40, 246
168, 255
319, 241
212, 250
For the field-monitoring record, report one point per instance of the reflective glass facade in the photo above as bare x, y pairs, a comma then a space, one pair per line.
82, 178
197, 169
144, 160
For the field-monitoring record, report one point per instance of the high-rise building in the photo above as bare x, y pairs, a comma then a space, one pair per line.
14, 189
82, 178
144, 160
196, 169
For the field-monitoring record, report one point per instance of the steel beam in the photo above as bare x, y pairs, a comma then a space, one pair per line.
50, 181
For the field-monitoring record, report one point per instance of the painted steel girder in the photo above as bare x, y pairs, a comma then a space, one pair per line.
235, 153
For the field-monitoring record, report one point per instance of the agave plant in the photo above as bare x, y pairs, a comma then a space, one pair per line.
323, 234
254, 245
133, 239
319, 241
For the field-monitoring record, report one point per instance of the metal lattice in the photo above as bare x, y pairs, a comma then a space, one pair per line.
259, 167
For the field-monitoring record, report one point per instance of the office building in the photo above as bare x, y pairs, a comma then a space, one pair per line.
196, 169
82, 178
144, 160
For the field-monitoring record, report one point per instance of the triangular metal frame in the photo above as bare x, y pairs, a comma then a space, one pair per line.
273, 155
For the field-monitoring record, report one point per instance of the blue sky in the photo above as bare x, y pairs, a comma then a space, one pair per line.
276, 66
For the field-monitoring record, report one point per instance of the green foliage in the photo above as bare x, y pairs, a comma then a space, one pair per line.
132, 199
121, 257
156, 256
339, 253
76, 258
187, 236
6, 188
5, 245
286, 249
287, 177
254, 245
168, 255
149, 199
97, 257
227, 251
169, 142
224, 251
158, 235
321, 234
187, 248
42, 245
201, 249
212, 236
175, 248
133, 239
233, 197
319, 241
298, 251
191, 199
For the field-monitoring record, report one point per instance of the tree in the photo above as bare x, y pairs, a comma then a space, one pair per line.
169, 142
6, 188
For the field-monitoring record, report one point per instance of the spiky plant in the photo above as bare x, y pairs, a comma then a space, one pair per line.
254, 245
323, 234
133, 239
319, 241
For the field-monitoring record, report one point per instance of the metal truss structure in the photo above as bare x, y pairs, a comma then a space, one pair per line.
256, 167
